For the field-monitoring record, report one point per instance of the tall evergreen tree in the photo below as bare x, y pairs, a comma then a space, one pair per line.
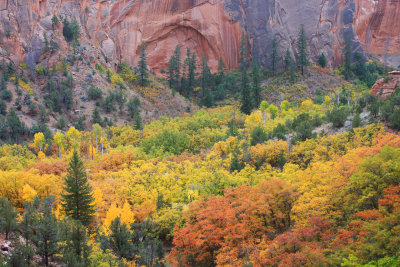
205, 75
118, 240
191, 72
174, 69
138, 121
274, 56
256, 83
96, 118
143, 71
75, 248
78, 199
8, 217
221, 71
220, 81
302, 59
15, 125
246, 103
47, 232
322, 60
177, 66
288, 60
348, 57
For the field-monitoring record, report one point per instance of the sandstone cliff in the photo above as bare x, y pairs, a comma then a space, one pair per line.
213, 27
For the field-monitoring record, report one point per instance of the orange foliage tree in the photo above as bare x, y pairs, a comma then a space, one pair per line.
226, 230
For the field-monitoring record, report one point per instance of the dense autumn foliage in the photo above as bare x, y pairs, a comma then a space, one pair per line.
328, 200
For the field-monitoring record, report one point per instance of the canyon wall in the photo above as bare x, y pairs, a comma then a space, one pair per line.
214, 27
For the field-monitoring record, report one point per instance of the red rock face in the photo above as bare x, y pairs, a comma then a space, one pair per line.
213, 27
384, 88
201, 26
377, 25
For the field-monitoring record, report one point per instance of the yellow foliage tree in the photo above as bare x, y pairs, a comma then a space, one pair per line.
28, 193
39, 141
59, 140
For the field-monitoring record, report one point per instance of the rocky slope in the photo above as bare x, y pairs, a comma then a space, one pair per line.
213, 27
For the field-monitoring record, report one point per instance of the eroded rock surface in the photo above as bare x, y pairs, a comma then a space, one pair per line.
213, 27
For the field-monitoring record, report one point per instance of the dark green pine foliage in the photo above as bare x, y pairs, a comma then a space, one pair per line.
220, 81
235, 164
322, 60
138, 122
15, 125
8, 217
348, 57
288, 60
274, 56
75, 248
258, 136
190, 67
232, 128
47, 234
174, 69
256, 83
96, 118
78, 199
289, 65
118, 240
246, 101
206, 97
133, 107
302, 59
143, 69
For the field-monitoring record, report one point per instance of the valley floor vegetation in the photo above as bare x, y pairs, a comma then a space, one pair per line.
215, 188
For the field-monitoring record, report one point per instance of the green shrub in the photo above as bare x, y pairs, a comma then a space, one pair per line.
395, 119
338, 116
95, 93
356, 121
6, 95
167, 142
258, 136
3, 108
71, 30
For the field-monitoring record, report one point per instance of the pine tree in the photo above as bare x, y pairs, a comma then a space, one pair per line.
170, 72
138, 121
322, 60
174, 69
221, 71
348, 57
96, 118
78, 200
356, 121
274, 56
143, 71
205, 82
177, 66
46, 42
118, 240
256, 83
47, 232
302, 60
15, 125
235, 164
8, 217
75, 248
246, 105
133, 107
288, 60
190, 69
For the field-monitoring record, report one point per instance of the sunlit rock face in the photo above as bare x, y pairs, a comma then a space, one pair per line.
213, 28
